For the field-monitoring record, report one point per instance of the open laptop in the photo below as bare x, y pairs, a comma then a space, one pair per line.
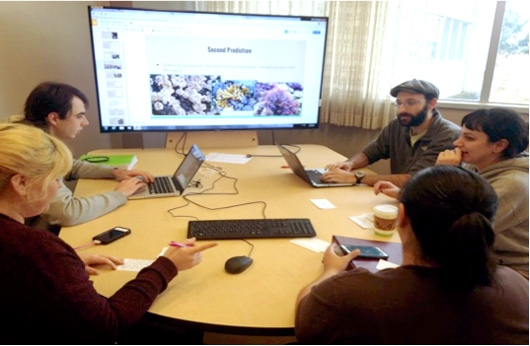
310, 175
167, 185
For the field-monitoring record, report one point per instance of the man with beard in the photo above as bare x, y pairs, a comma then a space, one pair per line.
412, 141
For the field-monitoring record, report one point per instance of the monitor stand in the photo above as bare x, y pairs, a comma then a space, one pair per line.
212, 139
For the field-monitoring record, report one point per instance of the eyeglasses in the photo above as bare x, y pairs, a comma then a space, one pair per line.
409, 103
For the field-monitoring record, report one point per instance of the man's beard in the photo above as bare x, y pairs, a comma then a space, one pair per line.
414, 120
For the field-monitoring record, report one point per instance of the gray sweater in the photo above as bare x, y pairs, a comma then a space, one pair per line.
67, 210
509, 179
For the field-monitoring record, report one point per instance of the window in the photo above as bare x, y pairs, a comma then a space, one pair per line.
453, 40
452, 44
511, 75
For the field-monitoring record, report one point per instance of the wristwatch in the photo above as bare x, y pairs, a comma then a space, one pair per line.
359, 175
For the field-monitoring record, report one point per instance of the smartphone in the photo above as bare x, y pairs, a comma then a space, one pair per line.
366, 251
112, 235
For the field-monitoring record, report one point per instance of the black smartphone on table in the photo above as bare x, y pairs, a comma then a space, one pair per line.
112, 235
366, 251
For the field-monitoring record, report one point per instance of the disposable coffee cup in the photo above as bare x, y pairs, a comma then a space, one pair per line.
385, 217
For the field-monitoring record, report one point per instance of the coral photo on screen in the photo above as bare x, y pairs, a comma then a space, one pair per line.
206, 95
181, 95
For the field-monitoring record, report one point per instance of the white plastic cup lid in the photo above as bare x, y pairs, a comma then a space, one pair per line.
386, 211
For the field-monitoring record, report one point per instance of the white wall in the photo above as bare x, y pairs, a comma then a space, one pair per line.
42, 41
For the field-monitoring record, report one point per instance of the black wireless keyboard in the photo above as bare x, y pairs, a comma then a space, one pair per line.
250, 228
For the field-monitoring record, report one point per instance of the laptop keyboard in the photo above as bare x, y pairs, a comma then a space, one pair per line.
250, 228
160, 185
314, 175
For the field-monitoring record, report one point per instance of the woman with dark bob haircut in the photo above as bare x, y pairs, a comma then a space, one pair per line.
493, 143
448, 290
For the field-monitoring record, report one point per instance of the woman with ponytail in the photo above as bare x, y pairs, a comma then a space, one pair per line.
448, 290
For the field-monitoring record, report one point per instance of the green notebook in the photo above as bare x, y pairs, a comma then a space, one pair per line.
121, 161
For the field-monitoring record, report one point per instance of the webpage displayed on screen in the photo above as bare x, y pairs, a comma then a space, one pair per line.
163, 70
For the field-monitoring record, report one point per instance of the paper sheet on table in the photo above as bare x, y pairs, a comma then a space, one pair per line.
313, 244
383, 264
366, 221
323, 203
135, 265
228, 158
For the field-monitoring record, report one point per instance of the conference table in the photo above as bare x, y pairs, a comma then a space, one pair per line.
261, 299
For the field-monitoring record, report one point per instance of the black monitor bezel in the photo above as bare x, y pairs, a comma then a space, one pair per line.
186, 128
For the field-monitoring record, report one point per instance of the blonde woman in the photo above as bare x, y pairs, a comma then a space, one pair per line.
45, 286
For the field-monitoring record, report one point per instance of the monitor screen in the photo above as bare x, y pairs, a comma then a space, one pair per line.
184, 71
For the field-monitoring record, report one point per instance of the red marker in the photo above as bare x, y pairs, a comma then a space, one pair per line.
175, 244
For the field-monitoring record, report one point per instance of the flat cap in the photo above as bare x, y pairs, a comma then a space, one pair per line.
417, 86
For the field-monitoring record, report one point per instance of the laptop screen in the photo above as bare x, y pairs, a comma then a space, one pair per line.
293, 161
188, 168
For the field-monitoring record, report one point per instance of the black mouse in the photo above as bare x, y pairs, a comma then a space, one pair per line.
237, 264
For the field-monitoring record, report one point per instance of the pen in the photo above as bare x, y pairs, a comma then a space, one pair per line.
175, 244
285, 166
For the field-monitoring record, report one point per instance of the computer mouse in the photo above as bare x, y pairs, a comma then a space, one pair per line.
237, 264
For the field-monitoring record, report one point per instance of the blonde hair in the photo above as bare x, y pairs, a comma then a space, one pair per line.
29, 151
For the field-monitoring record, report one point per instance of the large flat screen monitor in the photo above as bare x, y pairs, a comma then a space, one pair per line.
183, 71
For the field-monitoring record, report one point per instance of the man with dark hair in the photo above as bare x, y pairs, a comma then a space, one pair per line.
60, 110
412, 141
49, 98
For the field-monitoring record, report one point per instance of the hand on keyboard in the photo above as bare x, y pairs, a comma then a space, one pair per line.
130, 186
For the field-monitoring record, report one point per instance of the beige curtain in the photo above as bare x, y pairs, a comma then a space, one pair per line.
358, 65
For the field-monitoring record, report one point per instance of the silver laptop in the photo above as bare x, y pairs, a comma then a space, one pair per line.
167, 185
310, 175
